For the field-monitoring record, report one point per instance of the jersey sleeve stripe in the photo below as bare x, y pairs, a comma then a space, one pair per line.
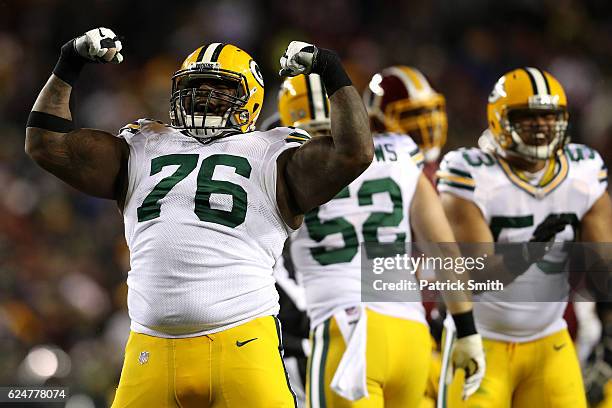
456, 185
468, 182
298, 139
418, 158
133, 127
459, 173
415, 151
603, 175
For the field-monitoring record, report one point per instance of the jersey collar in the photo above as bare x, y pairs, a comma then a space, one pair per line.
552, 178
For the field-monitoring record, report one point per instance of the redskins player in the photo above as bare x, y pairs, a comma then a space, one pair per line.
400, 99
207, 204
368, 354
527, 183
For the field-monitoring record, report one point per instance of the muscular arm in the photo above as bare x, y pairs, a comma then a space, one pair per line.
466, 220
431, 226
92, 161
316, 172
595, 227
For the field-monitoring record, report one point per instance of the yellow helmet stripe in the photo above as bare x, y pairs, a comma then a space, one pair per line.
539, 82
414, 81
418, 85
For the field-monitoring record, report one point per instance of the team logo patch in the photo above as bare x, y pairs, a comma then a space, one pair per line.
143, 358
256, 72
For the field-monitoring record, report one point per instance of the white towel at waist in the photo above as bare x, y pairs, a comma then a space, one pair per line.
349, 381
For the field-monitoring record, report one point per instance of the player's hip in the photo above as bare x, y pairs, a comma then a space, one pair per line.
240, 366
385, 345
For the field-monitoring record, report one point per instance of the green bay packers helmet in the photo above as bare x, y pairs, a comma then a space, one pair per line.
400, 99
527, 93
303, 103
218, 88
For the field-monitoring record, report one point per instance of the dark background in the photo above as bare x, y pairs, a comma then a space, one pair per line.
63, 259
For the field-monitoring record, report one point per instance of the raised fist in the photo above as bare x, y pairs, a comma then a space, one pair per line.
298, 59
99, 45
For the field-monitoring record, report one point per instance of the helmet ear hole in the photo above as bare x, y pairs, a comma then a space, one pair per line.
255, 107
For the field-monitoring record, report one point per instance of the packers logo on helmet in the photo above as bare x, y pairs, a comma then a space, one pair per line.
303, 103
400, 99
218, 88
527, 115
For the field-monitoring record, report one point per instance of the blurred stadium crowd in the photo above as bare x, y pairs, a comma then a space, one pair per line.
63, 258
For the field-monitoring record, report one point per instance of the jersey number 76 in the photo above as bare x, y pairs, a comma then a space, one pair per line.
151, 207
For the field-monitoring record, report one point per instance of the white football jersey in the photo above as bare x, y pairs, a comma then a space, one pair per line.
513, 208
374, 207
203, 228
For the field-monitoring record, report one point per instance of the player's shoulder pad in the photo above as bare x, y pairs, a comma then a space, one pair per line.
139, 125
132, 128
588, 159
457, 167
289, 134
297, 135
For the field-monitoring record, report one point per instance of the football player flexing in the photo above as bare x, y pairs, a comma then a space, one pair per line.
526, 183
371, 354
207, 204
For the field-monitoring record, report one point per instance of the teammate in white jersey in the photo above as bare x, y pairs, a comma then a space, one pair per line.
374, 354
207, 204
526, 183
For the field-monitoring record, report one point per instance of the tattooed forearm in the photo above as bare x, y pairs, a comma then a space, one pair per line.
54, 98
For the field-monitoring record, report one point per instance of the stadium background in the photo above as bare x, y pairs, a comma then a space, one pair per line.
63, 259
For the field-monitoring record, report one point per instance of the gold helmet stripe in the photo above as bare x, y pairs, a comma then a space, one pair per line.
414, 81
419, 80
539, 82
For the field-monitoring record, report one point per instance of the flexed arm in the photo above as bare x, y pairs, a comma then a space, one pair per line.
317, 171
92, 161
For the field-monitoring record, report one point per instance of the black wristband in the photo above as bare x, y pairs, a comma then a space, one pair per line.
464, 322
49, 122
328, 65
69, 65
